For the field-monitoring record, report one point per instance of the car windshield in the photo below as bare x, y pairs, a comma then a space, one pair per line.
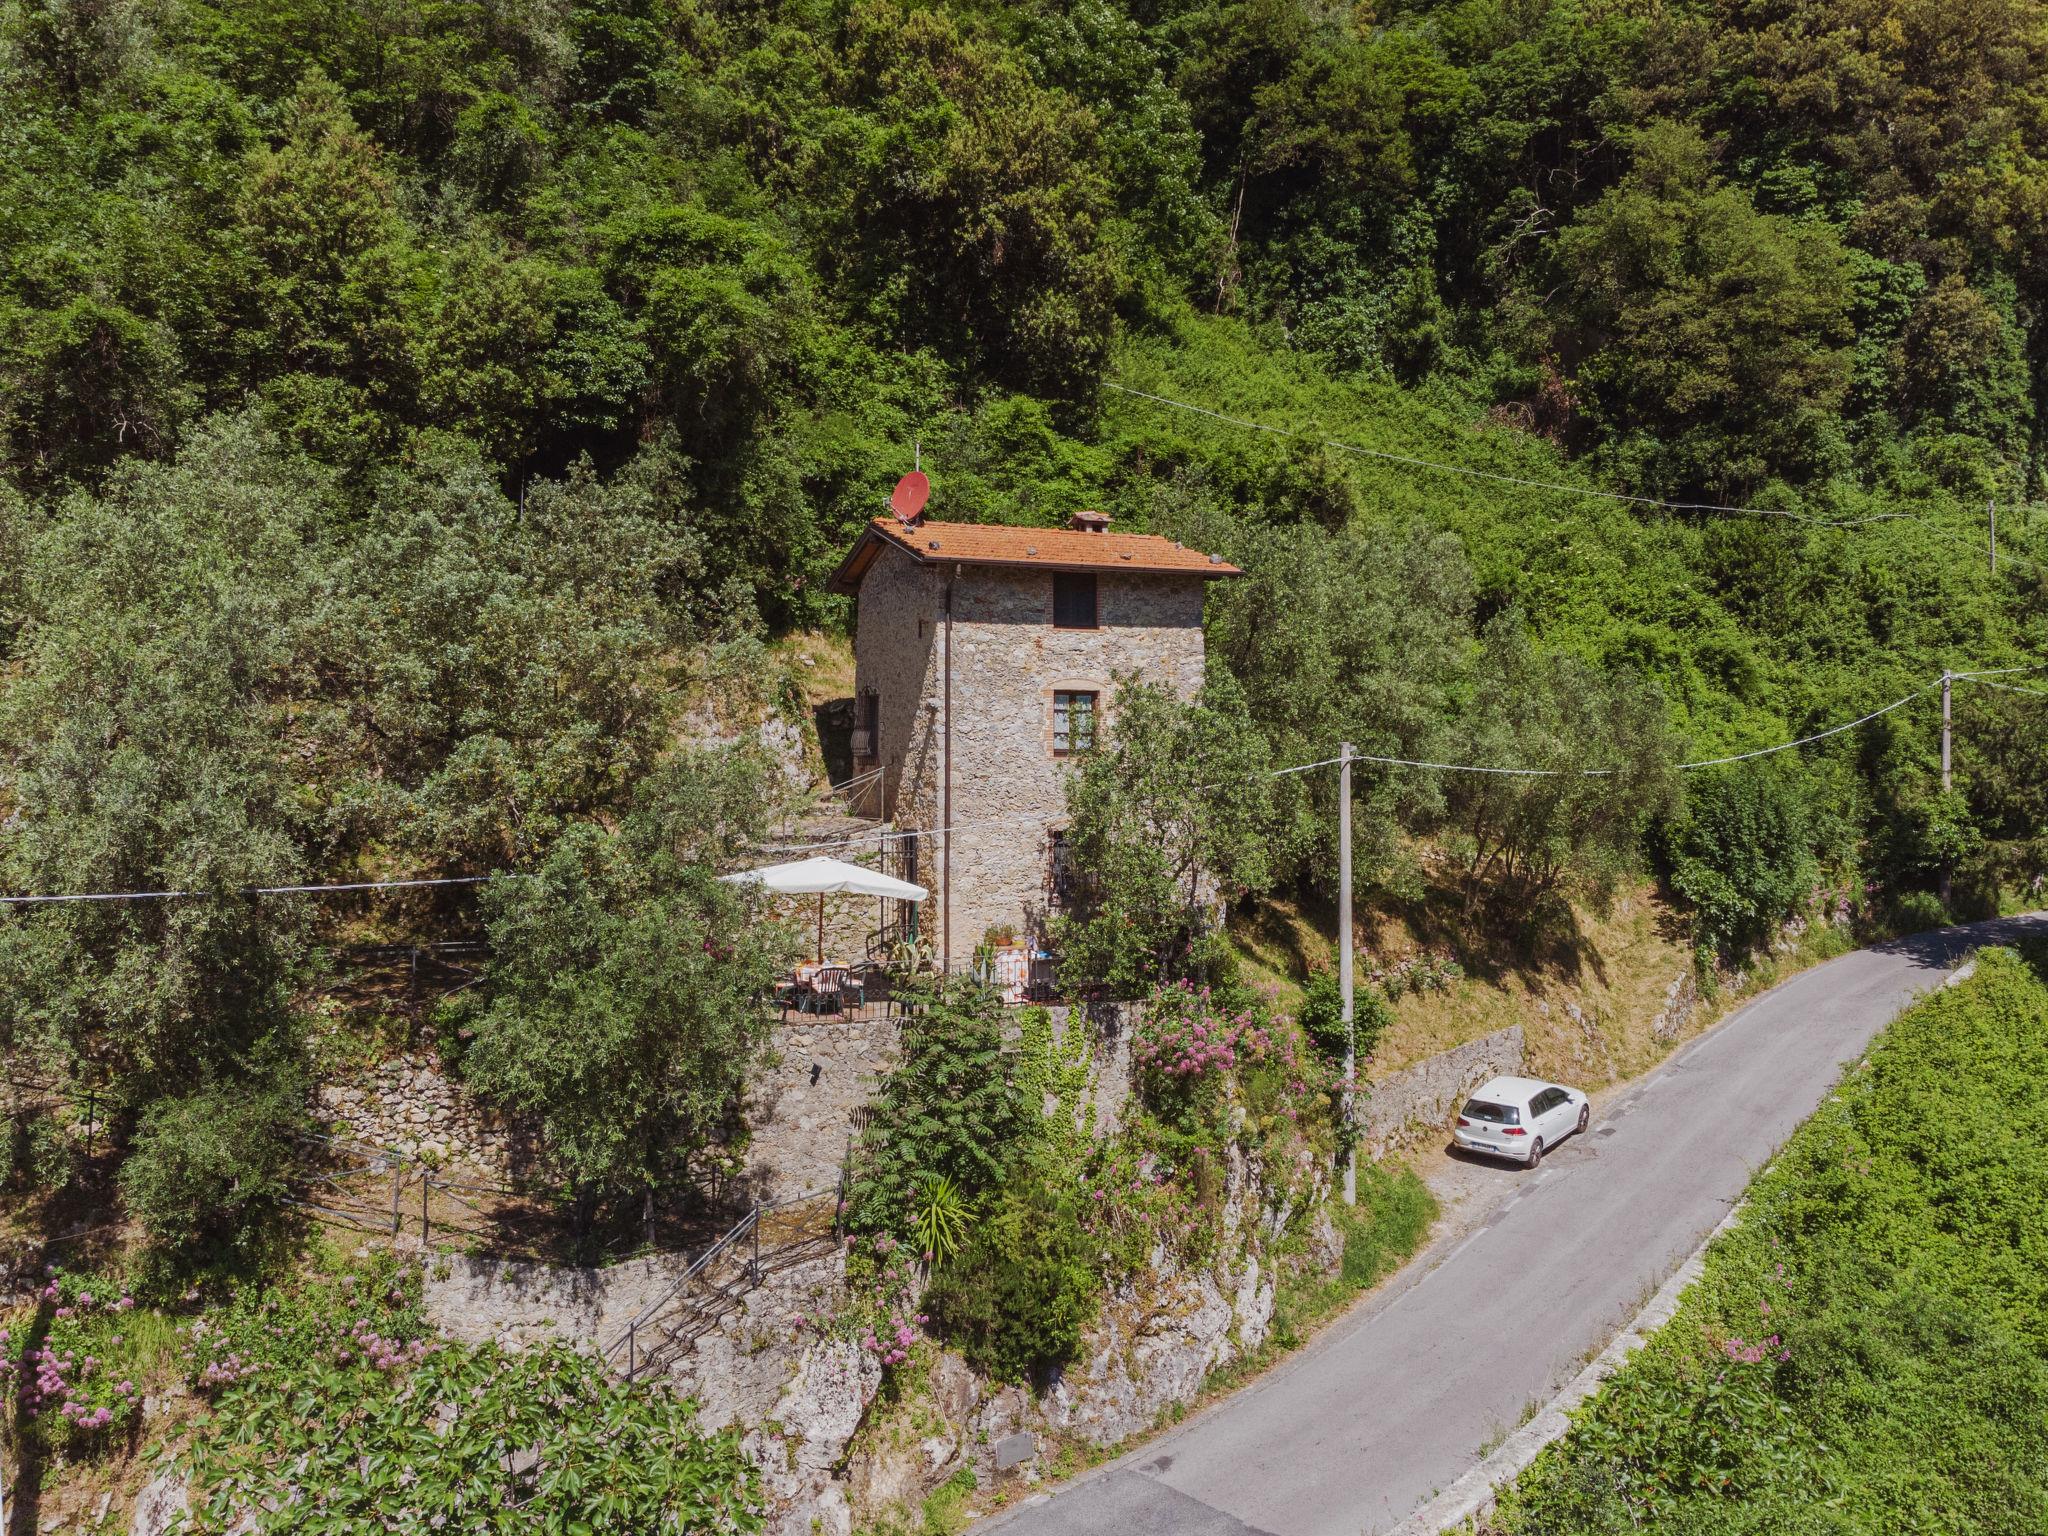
1493, 1114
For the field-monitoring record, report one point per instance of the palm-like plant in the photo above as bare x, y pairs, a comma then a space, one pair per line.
941, 1217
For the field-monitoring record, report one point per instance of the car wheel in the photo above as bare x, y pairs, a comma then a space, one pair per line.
1536, 1153
1585, 1117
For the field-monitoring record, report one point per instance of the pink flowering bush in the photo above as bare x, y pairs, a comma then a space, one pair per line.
884, 1278
1184, 1042
77, 1381
367, 1318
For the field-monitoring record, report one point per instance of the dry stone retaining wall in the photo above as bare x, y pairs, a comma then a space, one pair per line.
1410, 1105
805, 1110
408, 1105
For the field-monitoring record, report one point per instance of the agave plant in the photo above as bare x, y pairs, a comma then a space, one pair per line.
941, 1217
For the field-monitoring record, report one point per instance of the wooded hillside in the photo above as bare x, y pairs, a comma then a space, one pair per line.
404, 407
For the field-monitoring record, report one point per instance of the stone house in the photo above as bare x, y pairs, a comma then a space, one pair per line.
986, 658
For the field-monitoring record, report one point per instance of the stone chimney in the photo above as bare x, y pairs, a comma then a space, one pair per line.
1091, 522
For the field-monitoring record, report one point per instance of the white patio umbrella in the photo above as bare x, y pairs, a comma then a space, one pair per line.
828, 877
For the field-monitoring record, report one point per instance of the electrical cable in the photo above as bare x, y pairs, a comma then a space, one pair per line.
879, 838
256, 890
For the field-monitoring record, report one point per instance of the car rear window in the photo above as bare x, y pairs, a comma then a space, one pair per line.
1493, 1114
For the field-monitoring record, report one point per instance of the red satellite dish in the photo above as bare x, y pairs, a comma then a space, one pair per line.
910, 495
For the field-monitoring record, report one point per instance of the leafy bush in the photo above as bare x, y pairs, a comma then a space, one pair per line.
1183, 1046
1918, 911
367, 1315
1739, 854
1028, 1281
36, 1152
1322, 1014
208, 1170
461, 1438
952, 1107
79, 1386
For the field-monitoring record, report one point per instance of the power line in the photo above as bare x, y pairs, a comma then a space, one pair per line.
2039, 693
255, 890
1624, 497
878, 838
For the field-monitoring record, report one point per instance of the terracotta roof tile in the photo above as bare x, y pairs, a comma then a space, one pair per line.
1062, 549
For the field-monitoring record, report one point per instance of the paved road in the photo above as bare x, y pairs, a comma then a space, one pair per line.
1395, 1402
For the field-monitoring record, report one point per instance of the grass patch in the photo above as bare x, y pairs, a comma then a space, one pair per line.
1868, 1348
1380, 1233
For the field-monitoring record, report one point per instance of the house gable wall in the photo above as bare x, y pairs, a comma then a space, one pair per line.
1008, 660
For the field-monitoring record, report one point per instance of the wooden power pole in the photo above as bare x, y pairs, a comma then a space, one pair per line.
1344, 977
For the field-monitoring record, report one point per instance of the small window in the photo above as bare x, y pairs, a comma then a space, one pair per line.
1492, 1114
1073, 600
1073, 723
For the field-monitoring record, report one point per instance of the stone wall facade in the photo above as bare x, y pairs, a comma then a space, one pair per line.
1418, 1102
1007, 662
805, 1110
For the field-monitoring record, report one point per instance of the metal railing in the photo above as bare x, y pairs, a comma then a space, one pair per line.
745, 1231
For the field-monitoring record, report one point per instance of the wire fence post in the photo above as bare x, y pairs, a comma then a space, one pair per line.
426, 1188
91, 1119
632, 1349
397, 1185
754, 1270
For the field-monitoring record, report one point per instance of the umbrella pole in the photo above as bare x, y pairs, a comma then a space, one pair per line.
821, 927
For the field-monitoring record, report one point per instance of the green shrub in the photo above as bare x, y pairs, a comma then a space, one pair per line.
207, 1170
1322, 1014
952, 1107
1739, 854
1918, 911
472, 1437
1028, 1282
36, 1152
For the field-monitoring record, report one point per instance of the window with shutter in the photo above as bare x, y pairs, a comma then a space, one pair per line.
1073, 600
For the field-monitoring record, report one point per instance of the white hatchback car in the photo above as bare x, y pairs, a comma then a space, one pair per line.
1521, 1118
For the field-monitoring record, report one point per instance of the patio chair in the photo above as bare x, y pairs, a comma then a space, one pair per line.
852, 984
825, 992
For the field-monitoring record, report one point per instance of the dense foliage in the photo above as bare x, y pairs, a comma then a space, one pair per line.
331, 1405
402, 406
625, 1014
1867, 1347
1044, 1213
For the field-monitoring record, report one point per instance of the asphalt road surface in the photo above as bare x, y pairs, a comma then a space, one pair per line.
1395, 1401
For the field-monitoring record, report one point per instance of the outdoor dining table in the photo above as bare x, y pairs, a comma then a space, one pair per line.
800, 992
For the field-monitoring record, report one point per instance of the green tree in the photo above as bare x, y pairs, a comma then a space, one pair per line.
1741, 853
623, 1007
1171, 817
1708, 341
511, 667
1600, 761
1377, 625
168, 677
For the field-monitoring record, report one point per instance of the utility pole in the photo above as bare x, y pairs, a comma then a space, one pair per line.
1947, 775
1344, 970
